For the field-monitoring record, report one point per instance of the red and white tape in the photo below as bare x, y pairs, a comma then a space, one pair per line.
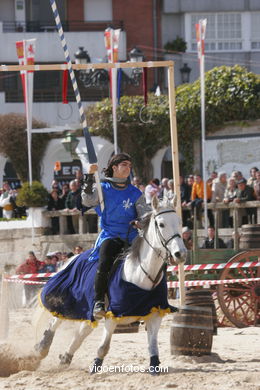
206, 267
189, 283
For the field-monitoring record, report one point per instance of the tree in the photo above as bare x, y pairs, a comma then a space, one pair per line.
13, 144
232, 94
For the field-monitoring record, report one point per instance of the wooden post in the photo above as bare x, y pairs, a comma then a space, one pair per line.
4, 312
235, 224
175, 166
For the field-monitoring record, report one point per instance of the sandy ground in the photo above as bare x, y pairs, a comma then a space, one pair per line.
234, 362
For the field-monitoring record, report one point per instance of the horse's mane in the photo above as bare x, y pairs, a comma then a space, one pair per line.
134, 249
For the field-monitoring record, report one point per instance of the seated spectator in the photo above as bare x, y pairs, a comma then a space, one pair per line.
31, 266
54, 203
187, 238
246, 193
197, 198
137, 183
252, 178
229, 195
230, 243
257, 185
218, 190
62, 261
7, 201
153, 188
210, 240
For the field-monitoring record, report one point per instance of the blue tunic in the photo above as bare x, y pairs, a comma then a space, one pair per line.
118, 212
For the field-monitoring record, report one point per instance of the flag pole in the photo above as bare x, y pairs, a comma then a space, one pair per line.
113, 91
201, 30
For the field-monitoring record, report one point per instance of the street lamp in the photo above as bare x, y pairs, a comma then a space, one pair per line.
70, 143
185, 73
100, 77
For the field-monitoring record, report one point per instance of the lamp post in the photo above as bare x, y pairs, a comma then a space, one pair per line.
70, 143
185, 73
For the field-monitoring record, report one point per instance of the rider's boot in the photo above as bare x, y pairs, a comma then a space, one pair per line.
99, 310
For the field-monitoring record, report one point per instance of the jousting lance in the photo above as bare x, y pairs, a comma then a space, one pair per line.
89, 144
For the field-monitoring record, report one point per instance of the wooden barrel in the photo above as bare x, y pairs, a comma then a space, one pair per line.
250, 236
129, 328
203, 297
191, 331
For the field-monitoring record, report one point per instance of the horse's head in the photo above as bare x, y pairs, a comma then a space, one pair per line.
168, 229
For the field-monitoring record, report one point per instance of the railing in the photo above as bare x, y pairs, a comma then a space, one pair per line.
87, 223
49, 26
237, 211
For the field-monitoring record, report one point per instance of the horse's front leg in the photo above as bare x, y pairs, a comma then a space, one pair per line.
153, 325
79, 336
42, 348
103, 349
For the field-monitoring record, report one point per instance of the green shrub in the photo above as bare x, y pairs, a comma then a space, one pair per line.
32, 196
177, 44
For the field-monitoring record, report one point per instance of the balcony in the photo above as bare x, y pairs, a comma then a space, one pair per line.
68, 26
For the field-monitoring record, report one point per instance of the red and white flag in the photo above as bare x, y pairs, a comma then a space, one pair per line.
26, 53
200, 36
112, 43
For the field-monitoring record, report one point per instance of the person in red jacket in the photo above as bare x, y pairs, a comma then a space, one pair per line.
31, 266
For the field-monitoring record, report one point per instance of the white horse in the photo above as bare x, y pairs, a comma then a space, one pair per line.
144, 267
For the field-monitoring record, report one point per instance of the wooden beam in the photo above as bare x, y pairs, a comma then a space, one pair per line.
104, 65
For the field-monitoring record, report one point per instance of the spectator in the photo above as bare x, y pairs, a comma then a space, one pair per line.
64, 193
31, 266
185, 192
187, 239
164, 188
55, 185
229, 195
6, 201
197, 197
19, 211
49, 265
71, 205
54, 203
62, 261
245, 193
257, 185
137, 183
230, 243
237, 175
210, 240
153, 188
169, 193
78, 177
218, 190
77, 250
252, 178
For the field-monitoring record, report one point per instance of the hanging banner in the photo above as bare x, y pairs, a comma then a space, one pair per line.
26, 52
200, 37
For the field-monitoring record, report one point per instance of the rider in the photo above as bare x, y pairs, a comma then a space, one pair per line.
123, 204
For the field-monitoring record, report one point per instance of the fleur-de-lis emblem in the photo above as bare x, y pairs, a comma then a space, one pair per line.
127, 204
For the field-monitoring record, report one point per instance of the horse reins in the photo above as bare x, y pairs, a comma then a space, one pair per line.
164, 244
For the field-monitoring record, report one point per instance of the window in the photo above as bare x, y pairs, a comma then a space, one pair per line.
224, 31
97, 10
255, 31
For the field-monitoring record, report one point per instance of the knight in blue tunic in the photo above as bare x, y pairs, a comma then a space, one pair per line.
123, 204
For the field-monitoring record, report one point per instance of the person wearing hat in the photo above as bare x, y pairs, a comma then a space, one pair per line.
123, 204
246, 193
187, 239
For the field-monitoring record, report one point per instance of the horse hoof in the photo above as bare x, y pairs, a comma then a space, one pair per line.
65, 359
96, 366
154, 368
43, 347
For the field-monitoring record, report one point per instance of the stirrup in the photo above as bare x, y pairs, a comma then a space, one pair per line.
99, 310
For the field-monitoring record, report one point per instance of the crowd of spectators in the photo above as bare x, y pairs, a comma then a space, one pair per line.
52, 262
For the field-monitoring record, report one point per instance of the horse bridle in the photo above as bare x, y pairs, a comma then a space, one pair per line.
164, 244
